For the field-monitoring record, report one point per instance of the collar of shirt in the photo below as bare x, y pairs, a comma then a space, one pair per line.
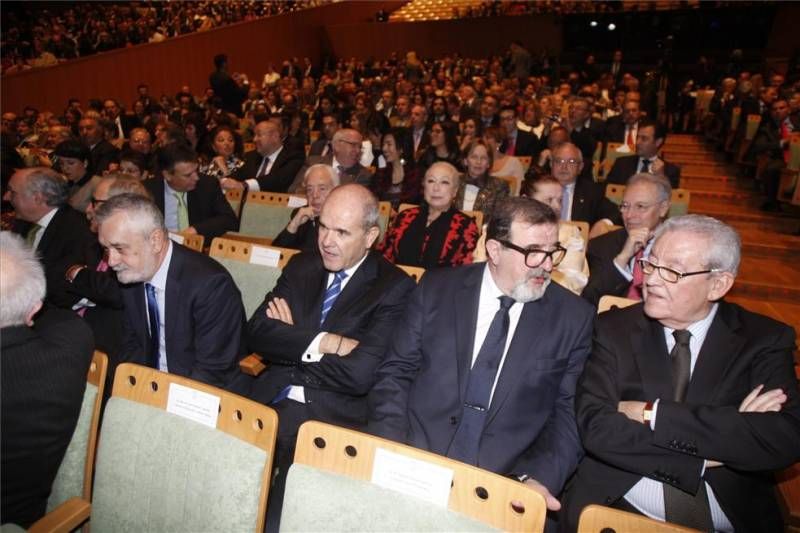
699, 330
335, 164
273, 156
349, 271
159, 279
45, 220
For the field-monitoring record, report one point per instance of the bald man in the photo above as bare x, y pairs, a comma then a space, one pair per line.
270, 167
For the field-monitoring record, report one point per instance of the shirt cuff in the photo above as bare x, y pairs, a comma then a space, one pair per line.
623, 271
653, 416
252, 185
297, 394
312, 353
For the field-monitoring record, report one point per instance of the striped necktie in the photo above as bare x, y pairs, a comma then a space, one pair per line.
331, 294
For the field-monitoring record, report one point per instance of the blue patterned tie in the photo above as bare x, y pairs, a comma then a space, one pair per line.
466, 442
565, 203
152, 311
331, 294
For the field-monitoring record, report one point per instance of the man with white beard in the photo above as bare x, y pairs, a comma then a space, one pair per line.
483, 366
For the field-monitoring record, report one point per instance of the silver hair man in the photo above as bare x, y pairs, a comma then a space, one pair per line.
22, 282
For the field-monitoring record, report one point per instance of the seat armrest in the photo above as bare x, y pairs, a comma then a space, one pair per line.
252, 365
65, 518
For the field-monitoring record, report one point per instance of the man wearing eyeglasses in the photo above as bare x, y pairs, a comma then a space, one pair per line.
687, 401
344, 158
583, 200
483, 366
612, 257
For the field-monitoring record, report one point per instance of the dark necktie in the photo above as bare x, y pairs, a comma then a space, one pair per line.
152, 311
645, 165
680, 507
331, 293
263, 168
467, 439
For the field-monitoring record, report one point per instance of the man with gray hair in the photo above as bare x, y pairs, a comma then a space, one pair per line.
613, 257
687, 401
302, 230
51, 227
344, 158
44, 364
202, 338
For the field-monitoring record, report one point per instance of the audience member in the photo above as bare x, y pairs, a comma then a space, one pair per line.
480, 191
102, 153
503, 165
649, 141
344, 159
302, 232
583, 200
399, 181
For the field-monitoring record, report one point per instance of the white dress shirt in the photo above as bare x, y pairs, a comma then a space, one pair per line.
159, 282
43, 223
252, 183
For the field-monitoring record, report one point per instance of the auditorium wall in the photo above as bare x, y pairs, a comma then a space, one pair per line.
184, 60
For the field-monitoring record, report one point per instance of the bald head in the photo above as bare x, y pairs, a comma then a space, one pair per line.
267, 137
348, 226
347, 147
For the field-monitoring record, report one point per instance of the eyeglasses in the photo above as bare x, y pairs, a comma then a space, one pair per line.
570, 162
670, 275
534, 257
95, 202
638, 207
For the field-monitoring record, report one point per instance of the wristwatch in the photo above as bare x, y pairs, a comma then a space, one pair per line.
647, 413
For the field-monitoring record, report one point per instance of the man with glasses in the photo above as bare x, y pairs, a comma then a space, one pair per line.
612, 257
582, 200
482, 368
344, 158
687, 401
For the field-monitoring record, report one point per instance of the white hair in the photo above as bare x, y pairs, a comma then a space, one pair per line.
321, 166
22, 281
723, 249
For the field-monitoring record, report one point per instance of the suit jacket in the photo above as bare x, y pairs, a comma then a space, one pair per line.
367, 310
530, 427
318, 146
589, 203
209, 212
304, 239
226, 88
204, 325
615, 130
630, 362
102, 155
280, 176
62, 245
527, 144
626, 166
605, 278
355, 174
43, 379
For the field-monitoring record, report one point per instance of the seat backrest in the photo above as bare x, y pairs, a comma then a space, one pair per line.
337, 470
526, 162
615, 192
753, 121
414, 272
265, 214
680, 202
597, 519
235, 200
609, 302
384, 213
514, 184
583, 227
255, 269
159, 468
74, 477
194, 242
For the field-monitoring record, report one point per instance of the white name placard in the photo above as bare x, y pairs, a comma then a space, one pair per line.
193, 404
411, 476
297, 201
176, 237
261, 255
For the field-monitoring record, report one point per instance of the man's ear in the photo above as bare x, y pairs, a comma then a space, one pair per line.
720, 285
372, 235
35, 309
493, 251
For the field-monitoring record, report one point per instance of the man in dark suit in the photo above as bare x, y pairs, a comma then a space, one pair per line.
585, 132
419, 130
192, 203
490, 382
302, 232
202, 337
517, 142
613, 257
270, 167
102, 152
122, 123
44, 362
772, 142
324, 145
344, 159
687, 401
55, 230
582, 199
230, 93
649, 140
488, 111
622, 128
326, 325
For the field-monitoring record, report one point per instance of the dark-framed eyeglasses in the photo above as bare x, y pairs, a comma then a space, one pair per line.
670, 275
534, 257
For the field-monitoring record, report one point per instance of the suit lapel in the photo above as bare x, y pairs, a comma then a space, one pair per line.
317, 283
719, 350
172, 297
50, 230
355, 289
652, 359
532, 322
158, 192
466, 299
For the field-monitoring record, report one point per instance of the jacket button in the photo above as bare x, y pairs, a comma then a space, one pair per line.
453, 420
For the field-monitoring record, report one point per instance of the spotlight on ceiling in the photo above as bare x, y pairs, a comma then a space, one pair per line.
593, 23
612, 27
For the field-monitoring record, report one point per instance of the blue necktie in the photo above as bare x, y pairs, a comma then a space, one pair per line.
466, 442
331, 294
152, 311
565, 203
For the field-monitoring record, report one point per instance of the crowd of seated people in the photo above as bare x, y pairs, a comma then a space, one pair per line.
43, 35
454, 139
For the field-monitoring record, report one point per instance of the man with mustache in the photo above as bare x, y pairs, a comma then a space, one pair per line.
483, 366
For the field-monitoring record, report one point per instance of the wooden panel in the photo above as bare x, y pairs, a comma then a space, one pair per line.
608, 302
241, 251
414, 272
97, 377
494, 510
596, 518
